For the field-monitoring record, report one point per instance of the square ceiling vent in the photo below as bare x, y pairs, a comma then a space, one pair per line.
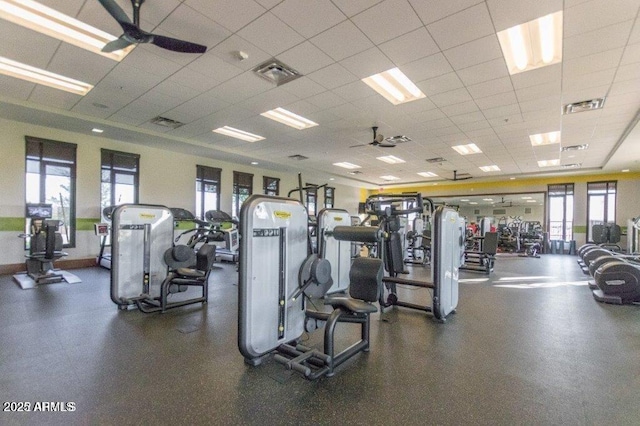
583, 106
298, 157
276, 72
166, 122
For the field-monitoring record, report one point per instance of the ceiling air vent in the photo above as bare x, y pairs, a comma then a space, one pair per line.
398, 139
276, 72
298, 157
436, 160
575, 147
571, 166
355, 172
166, 122
583, 106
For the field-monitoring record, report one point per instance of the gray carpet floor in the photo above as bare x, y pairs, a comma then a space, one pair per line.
528, 345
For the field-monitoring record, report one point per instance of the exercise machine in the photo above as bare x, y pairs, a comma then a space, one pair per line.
147, 269
446, 252
45, 247
482, 260
276, 276
337, 252
419, 242
224, 234
607, 235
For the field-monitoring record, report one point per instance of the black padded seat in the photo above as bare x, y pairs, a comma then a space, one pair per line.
190, 272
353, 305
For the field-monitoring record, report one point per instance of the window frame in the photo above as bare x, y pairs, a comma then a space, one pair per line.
236, 204
329, 197
71, 163
606, 194
311, 189
113, 172
266, 182
569, 190
207, 174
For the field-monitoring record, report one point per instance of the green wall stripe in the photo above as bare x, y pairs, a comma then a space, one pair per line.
11, 224
86, 224
580, 229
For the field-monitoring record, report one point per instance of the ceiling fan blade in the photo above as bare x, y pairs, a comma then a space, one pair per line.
116, 11
177, 45
117, 44
356, 146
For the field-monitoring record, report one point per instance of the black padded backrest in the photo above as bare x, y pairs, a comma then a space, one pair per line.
614, 233
205, 257
393, 256
365, 279
599, 234
490, 243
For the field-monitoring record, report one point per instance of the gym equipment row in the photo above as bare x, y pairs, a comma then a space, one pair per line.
481, 248
45, 247
146, 268
616, 277
277, 276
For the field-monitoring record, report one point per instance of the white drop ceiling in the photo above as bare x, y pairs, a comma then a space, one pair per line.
448, 48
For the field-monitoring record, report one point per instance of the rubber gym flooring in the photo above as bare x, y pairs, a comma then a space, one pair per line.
528, 345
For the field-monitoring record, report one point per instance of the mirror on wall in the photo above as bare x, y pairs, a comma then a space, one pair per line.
526, 206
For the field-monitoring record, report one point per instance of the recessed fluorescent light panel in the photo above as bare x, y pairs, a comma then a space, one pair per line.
534, 44
394, 86
46, 78
548, 163
389, 177
464, 199
531, 201
575, 147
471, 148
238, 134
492, 168
473, 203
390, 159
487, 199
428, 174
96, 130
544, 138
625, 170
527, 198
346, 165
283, 116
37, 17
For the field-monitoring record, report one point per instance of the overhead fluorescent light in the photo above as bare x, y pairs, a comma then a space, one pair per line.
527, 198
238, 134
39, 76
531, 201
487, 199
548, 163
40, 18
545, 138
464, 199
254, 163
346, 165
96, 130
389, 177
471, 148
391, 159
534, 44
427, 174
512, 178
394, 86
492, 168
283, 116
625, 170
473, 203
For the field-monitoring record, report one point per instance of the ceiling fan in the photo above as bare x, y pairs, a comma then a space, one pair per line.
134, 35
461, 176
380, 141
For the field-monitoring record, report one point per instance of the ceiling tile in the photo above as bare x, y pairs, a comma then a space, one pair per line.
80, 64
19, 44
491, 87
353, 7
463, 27
196, 108
595, 14
539, 91
305, 58
332, 76
628, 72
354, 91
611, 37
229, 50
185, 23
271, 99
600, 79
270, 34
409, 47
53, 97
426, 68
456, 96
302, 15
501, 113
398, 17
631, 54
332, 41
215, 69
268, 3
501, 99
440, 84
326, 100
507, 13
303, 87
474, 53
462, 108
367, 63
434, 10
592, 63
484, 72
232, 14
538, 76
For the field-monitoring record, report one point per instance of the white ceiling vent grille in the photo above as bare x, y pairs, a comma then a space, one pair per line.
276, 72
298, 157
435, 160
166, 122
575, 147
398, 139
572, 166
583, 106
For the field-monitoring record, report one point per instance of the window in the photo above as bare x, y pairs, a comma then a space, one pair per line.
312, 198
120, 177
51, 179
329, 193
207, 190
242, 189
270, 185
561, 211
601, 205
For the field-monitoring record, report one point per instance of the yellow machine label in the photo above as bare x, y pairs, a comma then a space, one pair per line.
147, 216
337, 219
281, 214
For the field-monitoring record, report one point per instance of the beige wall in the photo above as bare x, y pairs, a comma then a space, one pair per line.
166, 178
